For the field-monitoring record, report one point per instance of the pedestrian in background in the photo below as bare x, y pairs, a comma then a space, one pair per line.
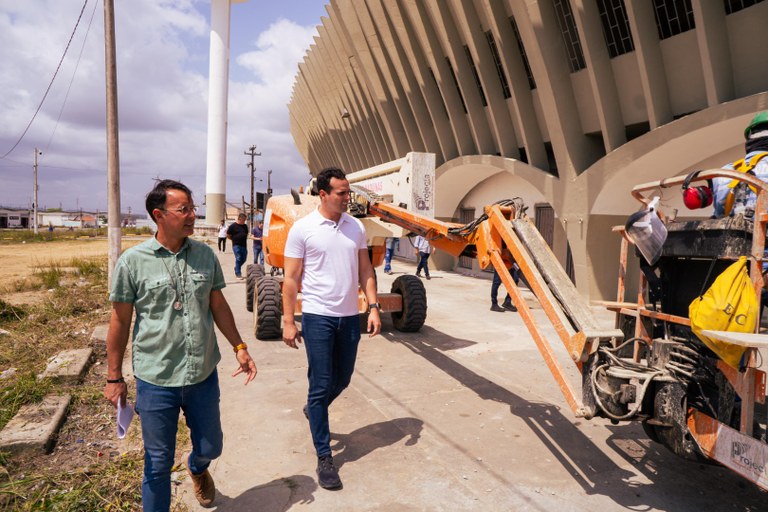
423, 250
238, 233
222, 237
515, 271
174, 284
390, 245
256, 235
327, 254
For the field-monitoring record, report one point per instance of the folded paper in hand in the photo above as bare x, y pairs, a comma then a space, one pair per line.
124, 417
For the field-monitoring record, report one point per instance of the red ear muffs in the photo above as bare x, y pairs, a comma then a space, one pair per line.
696, 197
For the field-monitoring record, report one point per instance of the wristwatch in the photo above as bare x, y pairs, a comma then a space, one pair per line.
374, 305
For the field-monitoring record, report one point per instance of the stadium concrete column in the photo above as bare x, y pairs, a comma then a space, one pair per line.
218, 92
714, 51
600, 70
650, 62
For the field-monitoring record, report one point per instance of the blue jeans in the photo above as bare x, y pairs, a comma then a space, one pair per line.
388, 259
423, 257
497, 283
331, 345
158, 408
241, 254
258, 255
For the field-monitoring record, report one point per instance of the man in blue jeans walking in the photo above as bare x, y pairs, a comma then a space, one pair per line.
256, 235
174, 284
238, 233
327, 253
390, 245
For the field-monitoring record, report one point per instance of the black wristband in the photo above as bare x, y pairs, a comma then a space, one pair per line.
116, 381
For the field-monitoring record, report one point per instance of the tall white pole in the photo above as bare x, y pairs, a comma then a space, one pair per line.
34, 192
218, 91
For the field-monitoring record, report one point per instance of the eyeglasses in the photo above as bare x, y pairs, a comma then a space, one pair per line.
184, 210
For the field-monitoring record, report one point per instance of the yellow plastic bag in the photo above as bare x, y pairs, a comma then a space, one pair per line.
730, 304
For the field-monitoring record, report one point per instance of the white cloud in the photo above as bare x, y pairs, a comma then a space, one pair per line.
162, 87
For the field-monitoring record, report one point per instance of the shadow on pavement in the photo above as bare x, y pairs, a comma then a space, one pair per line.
590, 467
275, 496
359, 443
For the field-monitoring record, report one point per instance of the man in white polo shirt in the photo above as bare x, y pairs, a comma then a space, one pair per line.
326, 252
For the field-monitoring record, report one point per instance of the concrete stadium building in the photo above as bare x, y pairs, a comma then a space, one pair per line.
566, 103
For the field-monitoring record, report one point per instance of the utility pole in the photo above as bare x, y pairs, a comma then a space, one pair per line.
34, 191
113, 149
269, 187
252, 153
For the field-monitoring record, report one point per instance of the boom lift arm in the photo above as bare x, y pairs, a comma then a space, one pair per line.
504, 225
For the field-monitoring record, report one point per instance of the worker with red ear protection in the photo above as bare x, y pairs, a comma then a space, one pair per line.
756, 149
697, 196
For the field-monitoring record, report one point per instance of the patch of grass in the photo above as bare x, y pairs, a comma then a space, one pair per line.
93, 267
25, 389
50, 276
27, 236
110, 485
138, 231
11, 313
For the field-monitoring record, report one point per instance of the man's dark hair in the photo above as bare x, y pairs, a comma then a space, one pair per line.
324, 178
157, 196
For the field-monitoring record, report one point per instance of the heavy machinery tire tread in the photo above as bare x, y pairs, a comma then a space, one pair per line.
250, 287
267, 309
414, 312
253, 274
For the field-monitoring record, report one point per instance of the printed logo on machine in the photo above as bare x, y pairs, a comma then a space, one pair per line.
742, 455
424, 201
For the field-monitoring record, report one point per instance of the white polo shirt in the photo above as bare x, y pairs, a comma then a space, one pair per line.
329, 251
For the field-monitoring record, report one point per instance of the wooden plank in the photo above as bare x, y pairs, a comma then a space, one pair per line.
742, 339
557, 280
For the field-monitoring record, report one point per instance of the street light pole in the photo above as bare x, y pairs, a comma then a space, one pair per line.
269, 186
252, 153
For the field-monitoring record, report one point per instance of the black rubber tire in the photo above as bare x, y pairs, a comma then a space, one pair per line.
650, 431
253, 274
250, 286
267, 309
414, 312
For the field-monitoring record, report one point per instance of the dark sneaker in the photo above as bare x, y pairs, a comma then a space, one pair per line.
497, 308
428, 278
509, 306
327, 474
305, 410
418, 275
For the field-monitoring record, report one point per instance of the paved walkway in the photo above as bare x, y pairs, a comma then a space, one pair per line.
463, 415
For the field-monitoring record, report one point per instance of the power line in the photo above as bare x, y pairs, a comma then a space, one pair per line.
49, 85
74, 73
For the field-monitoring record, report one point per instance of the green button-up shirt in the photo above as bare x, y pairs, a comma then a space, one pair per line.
171, 347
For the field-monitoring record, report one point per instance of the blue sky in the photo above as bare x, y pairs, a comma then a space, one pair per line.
162, 59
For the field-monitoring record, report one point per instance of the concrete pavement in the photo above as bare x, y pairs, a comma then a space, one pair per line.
463, 415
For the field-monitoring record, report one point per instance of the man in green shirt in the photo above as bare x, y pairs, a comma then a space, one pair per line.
174, 284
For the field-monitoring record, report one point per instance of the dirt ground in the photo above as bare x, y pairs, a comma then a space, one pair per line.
86, 447
20, 260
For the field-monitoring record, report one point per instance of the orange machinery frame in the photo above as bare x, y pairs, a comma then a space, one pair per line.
737, 450
487, 238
